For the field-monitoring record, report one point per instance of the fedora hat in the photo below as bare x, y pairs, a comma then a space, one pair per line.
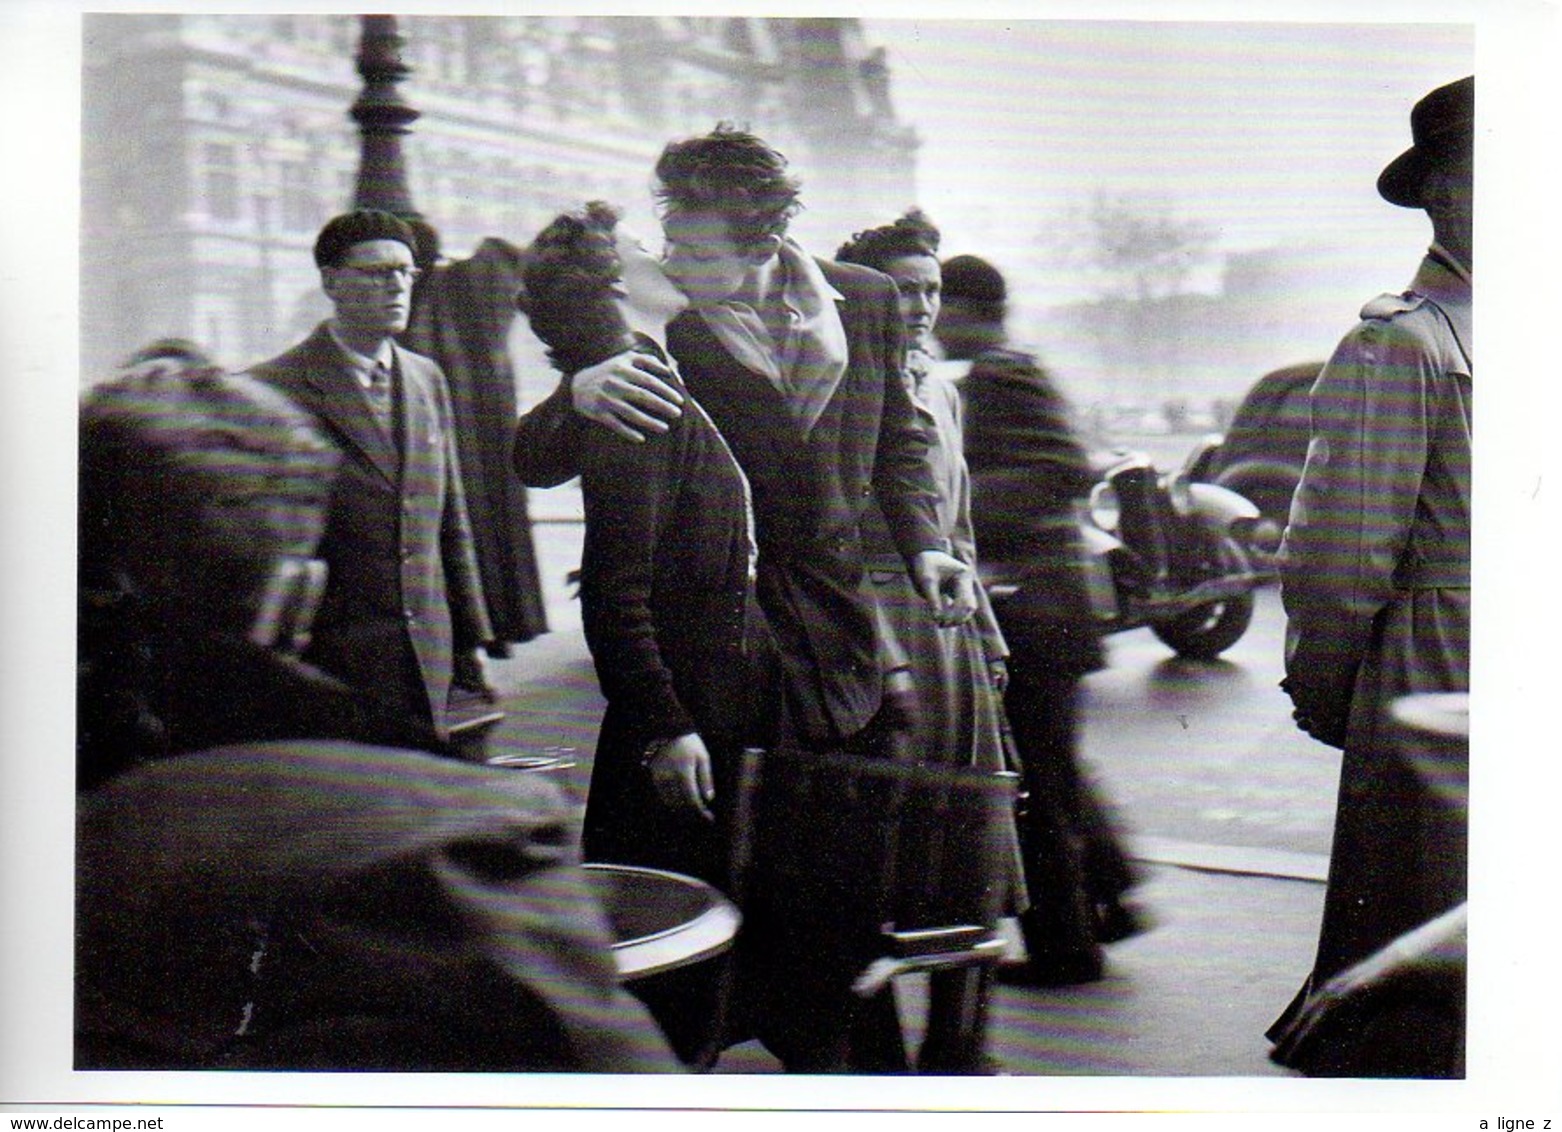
1442, 126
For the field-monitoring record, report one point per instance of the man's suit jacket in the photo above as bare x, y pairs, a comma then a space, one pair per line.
403, 591
810, 493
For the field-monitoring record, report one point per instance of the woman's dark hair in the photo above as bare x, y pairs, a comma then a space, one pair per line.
567, 288
912, 234
733, 173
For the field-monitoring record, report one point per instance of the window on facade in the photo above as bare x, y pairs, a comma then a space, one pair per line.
222, 182
300, 208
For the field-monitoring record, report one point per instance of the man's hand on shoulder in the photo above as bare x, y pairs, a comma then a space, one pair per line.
628, 394
947, 584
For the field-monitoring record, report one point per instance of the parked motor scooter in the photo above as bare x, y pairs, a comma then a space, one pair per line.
1175, 555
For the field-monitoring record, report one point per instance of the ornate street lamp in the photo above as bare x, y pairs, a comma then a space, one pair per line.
383, 118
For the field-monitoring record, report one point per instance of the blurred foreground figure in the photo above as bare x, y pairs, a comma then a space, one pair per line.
305, 902
1028, 473
1375, 566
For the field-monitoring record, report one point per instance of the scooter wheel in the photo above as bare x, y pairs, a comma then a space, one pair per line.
1206, 631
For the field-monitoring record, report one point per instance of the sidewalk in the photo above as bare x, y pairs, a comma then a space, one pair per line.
1231, 939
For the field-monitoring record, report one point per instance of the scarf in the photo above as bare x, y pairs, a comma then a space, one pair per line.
807, 363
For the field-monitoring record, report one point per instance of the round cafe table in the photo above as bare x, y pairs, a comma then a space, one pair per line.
661, 921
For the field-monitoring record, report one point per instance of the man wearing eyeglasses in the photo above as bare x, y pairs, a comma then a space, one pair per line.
403, 611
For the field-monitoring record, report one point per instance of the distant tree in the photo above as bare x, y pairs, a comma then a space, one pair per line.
1137, 255
1134, 245
1143, 248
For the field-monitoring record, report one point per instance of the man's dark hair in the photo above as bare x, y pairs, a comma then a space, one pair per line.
177, 352
343, 232
978, 284
733, 173
568, 281
912, 234
172, 539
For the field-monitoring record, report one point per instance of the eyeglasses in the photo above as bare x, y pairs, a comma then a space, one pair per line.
398, 273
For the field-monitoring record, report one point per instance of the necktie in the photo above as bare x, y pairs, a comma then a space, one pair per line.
380, 394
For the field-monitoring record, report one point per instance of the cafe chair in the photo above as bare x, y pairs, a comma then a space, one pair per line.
877, 869
470, 720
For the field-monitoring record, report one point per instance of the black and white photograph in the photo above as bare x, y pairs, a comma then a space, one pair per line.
863, 562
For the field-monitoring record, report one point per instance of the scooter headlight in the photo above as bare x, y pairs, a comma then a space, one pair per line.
1180, 493
1105, 509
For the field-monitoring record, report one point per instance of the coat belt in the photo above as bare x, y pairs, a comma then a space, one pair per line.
1436, 573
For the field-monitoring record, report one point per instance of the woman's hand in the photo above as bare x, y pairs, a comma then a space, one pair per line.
998, 671
681, 772
946, 584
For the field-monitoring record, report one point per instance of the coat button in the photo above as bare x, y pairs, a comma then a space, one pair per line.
409, 615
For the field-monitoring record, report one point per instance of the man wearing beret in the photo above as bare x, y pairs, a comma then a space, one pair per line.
403, 608
1029, 473
1375, 565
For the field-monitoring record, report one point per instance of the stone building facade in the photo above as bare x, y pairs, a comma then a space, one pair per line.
214, 146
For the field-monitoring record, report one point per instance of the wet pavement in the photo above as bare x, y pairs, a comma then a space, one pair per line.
1224, 805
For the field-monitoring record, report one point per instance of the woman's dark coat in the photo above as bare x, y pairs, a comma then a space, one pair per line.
667, 599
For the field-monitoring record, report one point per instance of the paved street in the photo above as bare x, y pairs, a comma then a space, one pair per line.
1206, 754
1227, 807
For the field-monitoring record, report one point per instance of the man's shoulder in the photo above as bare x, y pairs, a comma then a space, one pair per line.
853, 280
1390, 306
296, 359
1397, 320
1006, 363
410, 356
414, 364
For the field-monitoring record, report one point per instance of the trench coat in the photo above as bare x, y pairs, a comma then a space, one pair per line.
403, 594
959, 720
1374, 574
331, 906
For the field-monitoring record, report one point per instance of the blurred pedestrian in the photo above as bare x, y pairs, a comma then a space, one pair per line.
251, 890
1029, 474
957, 672
1375, 564
403, 610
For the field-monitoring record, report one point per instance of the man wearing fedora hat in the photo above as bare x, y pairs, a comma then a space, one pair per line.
1375, 565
